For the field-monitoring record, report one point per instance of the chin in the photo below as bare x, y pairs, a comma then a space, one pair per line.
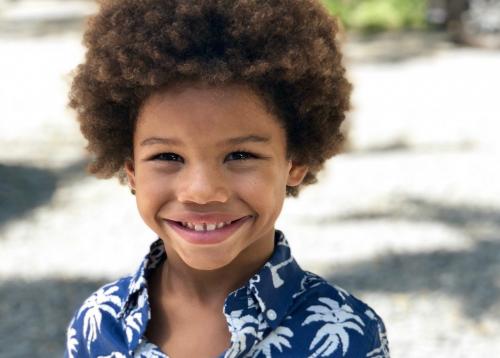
207, 263
206, 266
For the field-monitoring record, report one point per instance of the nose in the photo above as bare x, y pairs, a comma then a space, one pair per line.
202, 184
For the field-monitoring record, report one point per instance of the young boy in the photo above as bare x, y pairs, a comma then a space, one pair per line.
214, 111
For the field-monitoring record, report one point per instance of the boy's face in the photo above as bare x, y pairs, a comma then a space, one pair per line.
210, 173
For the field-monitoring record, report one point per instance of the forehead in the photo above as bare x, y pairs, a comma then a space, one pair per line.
221, 110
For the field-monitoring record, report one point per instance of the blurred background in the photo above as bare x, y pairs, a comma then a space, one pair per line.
408, 218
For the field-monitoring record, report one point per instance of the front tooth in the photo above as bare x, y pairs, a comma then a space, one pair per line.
198, 227
211, 227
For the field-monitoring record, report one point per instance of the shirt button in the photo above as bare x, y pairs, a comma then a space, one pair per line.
271, 314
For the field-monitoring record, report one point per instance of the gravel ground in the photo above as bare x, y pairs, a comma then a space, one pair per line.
408, 219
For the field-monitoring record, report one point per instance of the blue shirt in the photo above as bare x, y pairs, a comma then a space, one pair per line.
282, 311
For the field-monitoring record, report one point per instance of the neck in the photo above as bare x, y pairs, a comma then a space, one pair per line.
210, 287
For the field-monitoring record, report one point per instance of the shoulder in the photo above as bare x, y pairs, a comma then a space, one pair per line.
96, 322
335, 322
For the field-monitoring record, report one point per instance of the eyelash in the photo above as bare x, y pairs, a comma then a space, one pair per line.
171, 155
159, 156
247, 154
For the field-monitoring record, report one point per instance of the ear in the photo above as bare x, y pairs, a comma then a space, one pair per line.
296, 174
130, 171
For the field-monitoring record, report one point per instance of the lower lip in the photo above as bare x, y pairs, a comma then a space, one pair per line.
207, 237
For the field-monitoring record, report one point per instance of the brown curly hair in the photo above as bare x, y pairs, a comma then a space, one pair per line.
286, 50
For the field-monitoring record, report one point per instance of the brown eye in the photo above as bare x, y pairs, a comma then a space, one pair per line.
168, 157
240, 156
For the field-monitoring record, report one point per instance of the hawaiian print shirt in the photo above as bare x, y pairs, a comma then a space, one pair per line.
282, 311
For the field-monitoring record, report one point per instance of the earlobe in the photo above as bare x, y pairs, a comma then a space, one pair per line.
296, 174
130, 171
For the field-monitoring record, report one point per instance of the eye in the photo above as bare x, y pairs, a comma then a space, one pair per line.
168, 157
241, 155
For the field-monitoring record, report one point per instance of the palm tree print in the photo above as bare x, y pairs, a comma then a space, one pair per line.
72, 341
148, 350
134, 320
282, 311
308, 282
101, 300
113, 355
333, 333
135, 285
278, 338
241, 328
277, 280
383, 350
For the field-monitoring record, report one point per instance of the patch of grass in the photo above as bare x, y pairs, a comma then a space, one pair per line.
379, 15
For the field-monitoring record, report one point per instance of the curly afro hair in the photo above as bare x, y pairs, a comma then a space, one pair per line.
285, 50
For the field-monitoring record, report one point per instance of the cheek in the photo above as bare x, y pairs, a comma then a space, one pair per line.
262, 188
152, 190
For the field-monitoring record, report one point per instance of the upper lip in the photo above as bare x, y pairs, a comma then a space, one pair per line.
198, 218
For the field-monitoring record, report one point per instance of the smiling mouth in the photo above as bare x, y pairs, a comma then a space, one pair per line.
205, 227
208, 233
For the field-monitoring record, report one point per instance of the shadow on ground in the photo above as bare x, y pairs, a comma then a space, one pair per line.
35, 315
471, 276
24, 188
468, 276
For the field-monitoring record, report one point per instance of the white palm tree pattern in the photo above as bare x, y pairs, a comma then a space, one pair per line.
278, 338
281, 312
72, 341
276, 279
134, 320
308, 282
148, 350
133, 325
101, 301
242, 328
333, 333
114, 355
383, 349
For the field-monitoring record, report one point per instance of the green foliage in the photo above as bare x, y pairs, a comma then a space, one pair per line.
379, 15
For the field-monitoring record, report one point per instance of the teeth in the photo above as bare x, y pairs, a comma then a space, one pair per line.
205, 226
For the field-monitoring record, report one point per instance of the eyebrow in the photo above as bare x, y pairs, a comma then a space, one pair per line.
159, 140
231, 141
249, 138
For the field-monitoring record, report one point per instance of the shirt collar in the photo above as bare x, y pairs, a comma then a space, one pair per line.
273, 287
276, 283
138, 282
